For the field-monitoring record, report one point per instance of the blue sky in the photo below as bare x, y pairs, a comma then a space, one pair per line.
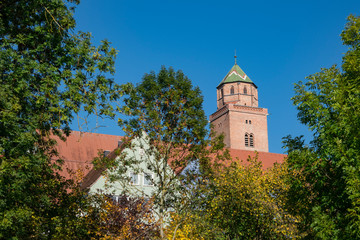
278, 43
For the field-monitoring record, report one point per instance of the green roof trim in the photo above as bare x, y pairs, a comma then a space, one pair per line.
236, 74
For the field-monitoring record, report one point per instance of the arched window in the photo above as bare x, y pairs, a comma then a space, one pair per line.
246, 140
232, 90
245, 90
251, 140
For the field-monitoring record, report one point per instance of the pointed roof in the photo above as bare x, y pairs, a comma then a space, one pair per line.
236, 74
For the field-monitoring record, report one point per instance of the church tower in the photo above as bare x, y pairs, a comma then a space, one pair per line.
238, 114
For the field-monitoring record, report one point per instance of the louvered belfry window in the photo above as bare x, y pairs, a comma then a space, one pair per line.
251, 140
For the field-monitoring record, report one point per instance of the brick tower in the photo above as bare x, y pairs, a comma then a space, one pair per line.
238, 115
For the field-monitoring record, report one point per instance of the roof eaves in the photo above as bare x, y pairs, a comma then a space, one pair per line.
222, 83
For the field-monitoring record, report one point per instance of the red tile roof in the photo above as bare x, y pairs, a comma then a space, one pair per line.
80, 149
268, 159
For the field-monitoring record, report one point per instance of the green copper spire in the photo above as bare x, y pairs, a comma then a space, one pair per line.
236, 74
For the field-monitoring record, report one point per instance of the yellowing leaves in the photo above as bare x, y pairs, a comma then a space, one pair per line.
241, 201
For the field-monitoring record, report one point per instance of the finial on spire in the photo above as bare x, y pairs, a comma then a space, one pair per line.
235, 56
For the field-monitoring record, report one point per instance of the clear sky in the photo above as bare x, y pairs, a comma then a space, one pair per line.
278, 43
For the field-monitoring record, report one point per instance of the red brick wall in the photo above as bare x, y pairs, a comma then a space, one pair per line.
256, 125
220, 121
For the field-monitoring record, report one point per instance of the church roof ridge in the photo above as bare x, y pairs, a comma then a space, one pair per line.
236, 74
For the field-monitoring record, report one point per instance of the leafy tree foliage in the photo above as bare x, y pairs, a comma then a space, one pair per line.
325, 188
48, 74
167, 123
241, 201
124, 217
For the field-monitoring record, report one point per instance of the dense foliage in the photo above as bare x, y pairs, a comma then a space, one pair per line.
242, 201
48, 74
325, 190
123, 217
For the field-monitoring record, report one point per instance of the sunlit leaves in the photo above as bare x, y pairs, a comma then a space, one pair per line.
241, 201
325, 189
48, 73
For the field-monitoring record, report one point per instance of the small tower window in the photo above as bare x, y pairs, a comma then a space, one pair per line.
246, 140
251, 140
245, 90
246, 121
249, 121
232, 90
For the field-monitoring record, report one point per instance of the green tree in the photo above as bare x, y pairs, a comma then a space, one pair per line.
167, 122
48, 74
325, 189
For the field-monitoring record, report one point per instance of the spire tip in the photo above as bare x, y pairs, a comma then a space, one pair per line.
235, 56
